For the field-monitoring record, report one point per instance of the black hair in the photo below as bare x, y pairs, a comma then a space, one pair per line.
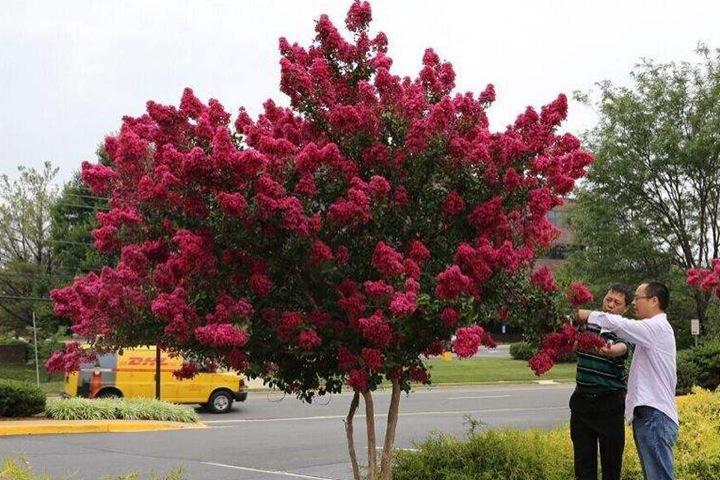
622, 289
659, 290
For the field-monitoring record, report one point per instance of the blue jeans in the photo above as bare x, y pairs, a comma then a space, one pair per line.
655, 434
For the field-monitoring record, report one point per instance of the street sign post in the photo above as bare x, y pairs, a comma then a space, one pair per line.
695, 329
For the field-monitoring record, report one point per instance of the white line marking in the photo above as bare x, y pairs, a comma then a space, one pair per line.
479, 398
269, 472
377, 415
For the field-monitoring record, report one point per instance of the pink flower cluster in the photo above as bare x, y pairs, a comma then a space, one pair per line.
706, 279
557, 344
578, 294
469, 339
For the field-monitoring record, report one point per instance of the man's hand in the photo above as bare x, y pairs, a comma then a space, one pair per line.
581, 316
613, 350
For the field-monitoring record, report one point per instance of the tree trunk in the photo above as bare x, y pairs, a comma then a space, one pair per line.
370, 424
393, 412
349, 432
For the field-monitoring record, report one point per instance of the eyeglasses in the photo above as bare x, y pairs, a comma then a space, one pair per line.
641, 296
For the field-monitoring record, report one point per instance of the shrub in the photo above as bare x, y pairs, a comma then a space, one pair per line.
699, 366
535, 454
119, 409
522, 350
20, 399
707, 358
687, 372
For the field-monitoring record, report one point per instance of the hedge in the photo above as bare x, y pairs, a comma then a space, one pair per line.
20, 399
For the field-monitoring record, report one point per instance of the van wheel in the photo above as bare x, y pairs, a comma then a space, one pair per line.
109, 393
220, 401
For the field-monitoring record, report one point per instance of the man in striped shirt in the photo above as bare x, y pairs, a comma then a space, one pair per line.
598, 403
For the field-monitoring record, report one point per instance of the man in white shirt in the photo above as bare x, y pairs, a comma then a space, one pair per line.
650, 401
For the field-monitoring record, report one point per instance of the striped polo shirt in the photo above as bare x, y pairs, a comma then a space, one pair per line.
596, 373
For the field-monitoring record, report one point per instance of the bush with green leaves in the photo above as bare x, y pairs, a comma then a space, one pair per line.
699, 366
687, 372
20, 469
20, 399
119, 409
522, 350
548, 455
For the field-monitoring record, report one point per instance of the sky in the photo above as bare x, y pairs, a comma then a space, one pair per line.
69, 70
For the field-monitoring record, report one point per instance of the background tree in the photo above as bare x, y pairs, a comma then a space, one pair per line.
27, 263
650, 207
73, 220
339, 241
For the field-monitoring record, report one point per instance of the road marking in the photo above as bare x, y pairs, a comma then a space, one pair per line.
269, 472
479, 398
408, 414
403, 449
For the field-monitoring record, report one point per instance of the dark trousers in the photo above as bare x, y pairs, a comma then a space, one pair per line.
597, 421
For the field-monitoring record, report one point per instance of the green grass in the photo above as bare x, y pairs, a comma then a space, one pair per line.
20, 469
50, 384
482, 370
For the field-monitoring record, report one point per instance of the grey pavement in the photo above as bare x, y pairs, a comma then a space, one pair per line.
275, 437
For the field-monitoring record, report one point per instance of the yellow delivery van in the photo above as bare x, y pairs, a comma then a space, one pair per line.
131, 374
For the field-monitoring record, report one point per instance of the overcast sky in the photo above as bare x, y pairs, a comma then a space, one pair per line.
69, 70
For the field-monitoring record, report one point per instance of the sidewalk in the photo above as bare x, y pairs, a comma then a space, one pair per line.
52, 427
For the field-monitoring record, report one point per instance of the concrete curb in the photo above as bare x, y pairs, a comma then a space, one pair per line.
55, 427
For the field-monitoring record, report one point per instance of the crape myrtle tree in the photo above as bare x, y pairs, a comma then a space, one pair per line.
333, 243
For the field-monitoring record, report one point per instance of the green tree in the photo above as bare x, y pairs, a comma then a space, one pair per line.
73, 218
651, 204
27, 263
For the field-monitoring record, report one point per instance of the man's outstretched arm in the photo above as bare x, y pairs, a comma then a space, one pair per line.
635, 331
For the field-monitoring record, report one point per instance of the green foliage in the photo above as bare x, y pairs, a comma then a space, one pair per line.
699, 366
687, 372
20, 399
73, 218
548, 455
20, 469
522, 350
119, 409
650, 205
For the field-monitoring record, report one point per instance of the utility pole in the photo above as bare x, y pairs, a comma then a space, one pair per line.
37, 363
157, 372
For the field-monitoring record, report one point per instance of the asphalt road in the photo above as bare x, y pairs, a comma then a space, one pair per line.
271, 437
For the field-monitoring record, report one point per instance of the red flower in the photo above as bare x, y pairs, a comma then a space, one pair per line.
186, 371
403, 304
449, 316
373, 359
544, 279
378, 290
454, 204
309, 339
358, 380
320, 253
469, 339
261, 285
387, 260
578, 294
418, 251
451, 283
221, 335
376, 330
541, 362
